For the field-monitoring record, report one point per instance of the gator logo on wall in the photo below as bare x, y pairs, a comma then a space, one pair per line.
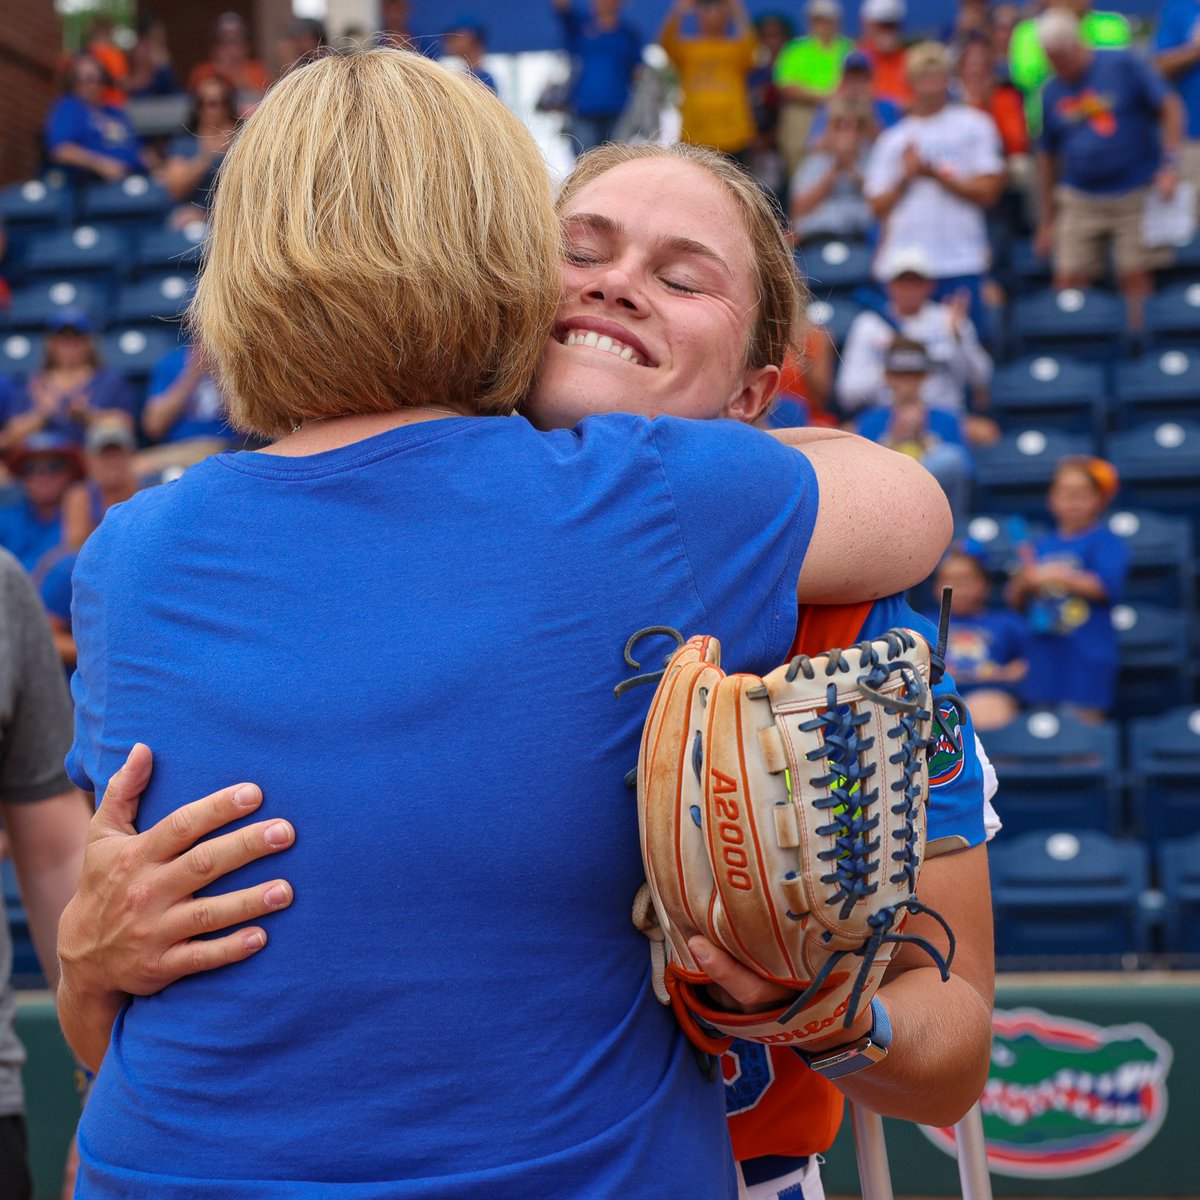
946, 752
1068, 1098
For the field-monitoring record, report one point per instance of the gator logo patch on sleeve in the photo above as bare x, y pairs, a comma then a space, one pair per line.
946, 754
1065, 1097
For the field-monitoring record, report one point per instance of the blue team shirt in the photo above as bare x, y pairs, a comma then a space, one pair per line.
1177, 27
604, 63
105, 390
978, 644
96, 128
875, 425
203, 413
1104, 128
411, 643
1073, 650
26, 536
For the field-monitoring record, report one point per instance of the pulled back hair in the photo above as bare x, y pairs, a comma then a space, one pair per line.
382, 235
778, 321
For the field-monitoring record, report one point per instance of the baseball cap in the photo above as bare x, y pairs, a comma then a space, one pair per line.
907, 260
831, 10
466, 23
885, 12
906, 358
109, 435
856, 60
70, 318
46, 445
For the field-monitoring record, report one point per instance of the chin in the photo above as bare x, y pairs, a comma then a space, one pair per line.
570, 386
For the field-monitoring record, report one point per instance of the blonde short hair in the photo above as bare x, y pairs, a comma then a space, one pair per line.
1057, 30
383, 235
778, 323
926, 58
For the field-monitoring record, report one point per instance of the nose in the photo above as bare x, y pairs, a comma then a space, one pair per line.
615, 284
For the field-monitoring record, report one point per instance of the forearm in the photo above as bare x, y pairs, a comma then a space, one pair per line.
1087, 586
71, 155
87, 1018
181, 176
1047, 178
163, 410
1175, 62
804, 202
983, 190
20, 427
1171, 125
884, 202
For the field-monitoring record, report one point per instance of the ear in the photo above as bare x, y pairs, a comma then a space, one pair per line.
759, 385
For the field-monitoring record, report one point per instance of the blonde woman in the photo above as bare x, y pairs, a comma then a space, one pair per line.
454, 1003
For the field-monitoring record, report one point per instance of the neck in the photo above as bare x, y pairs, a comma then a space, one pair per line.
927, 107
331, 433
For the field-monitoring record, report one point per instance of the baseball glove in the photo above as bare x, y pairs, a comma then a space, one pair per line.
783, 818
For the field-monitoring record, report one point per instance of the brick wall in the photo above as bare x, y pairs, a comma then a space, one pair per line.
189, 26
30, 41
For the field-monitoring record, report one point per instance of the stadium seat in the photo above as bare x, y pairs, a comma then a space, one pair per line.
1160, 467
1179, 874
1174, 312
834, 315
1155, 647
1164, 773
176, 250
136, 352
834, 267
20, 354
1056, 773
1013, 474
34, 205
34, 304
1069, 898
1048, 392
151, 302
133, 200
1027, 269
1161, 558
1088, 323
1160, 386
86, 251
997, 540
26, 970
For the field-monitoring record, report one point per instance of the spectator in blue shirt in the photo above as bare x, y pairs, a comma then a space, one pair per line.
1177, 56
45, 465
184, 408
1067, 590
606, 52
467, 39
72, 389
85, 136
193, 158
1111, 131
857, 87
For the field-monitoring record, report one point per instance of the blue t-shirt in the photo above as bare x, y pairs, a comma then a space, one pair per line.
203, 413
1073, 649
411, 643
1177, 27
105, 390
55, 588
875, 425
604, 63
99, 129
26, 536
1104, 128
979, 644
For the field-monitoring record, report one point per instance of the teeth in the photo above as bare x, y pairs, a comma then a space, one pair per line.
627, 354
598, 341
605, 343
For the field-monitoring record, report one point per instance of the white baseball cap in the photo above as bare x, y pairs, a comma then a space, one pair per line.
831, 10
887, 12
907, 260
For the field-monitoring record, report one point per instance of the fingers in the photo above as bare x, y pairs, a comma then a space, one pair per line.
181, 829
748, 990
119, 805
218, 856
209, 914
191, 958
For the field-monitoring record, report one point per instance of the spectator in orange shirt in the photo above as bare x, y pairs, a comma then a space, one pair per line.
884, 47
100, 47
981, 89
230, 59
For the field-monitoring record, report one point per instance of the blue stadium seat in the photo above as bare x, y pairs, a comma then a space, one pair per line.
136, 352
1013, 474
835, 315
129, 201
1088, 323
1056, 773
1179, 874
1160, 386
1048, 392
1164, 773
1025, 268
1065, 899
151, 302
34, 304
1161, 558
27, 971
84, 251
21, 354
176, 250
1160, 467
834, 267
1156, 657
1174, 312
34, 205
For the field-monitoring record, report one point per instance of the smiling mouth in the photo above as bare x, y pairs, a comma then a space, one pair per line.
602, 342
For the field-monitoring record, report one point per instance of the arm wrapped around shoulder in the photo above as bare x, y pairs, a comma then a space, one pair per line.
783, 818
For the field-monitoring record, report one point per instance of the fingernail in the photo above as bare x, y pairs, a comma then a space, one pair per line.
278, 834
700, 953
276, 896
255, 941
247, 796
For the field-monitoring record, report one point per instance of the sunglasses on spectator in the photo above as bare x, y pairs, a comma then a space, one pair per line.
45, 466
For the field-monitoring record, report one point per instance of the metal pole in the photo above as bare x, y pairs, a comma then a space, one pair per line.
972, 1156
870, 1148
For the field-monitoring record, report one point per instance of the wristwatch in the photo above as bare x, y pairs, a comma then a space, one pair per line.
858, 1055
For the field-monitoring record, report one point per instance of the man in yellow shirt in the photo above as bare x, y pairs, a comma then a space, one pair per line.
713, 59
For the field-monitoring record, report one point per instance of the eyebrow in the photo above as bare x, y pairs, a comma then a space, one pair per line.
673, 244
